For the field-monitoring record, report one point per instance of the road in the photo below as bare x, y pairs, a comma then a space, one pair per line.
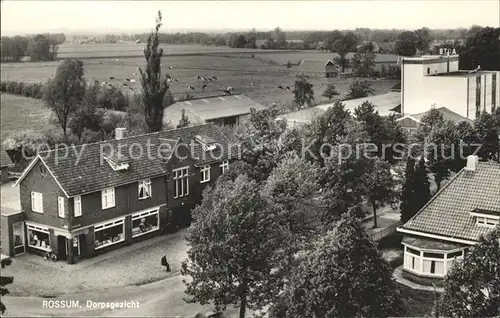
163, 298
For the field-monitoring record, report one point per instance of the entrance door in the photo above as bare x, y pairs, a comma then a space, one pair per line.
82, 245
61, 247
18, 235
76, 246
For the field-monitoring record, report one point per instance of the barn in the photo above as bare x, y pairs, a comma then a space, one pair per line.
319, 68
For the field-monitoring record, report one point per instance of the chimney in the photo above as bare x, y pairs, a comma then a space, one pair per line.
472, 162
120, 133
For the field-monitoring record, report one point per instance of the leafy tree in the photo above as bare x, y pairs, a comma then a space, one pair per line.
379, 186
40, 48
184, 121
233, 243
154, 88
472, 286
416, 189
343, 45
280, 37
359, 89
424, 39
440, 152
481, 48
64, 93
434, 118
87, 116
363, 64
406, 43
343, 275
241, 41
5, 280
303, 92
486, 129
330, 91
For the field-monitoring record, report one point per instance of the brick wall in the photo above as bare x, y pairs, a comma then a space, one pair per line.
422, 280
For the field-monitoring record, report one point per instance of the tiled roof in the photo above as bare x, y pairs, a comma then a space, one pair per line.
203, 109
447, 115
83, 170
448, 212
4, 158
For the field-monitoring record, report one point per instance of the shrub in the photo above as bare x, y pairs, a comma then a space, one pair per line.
3, 87
19, 88
12, 87
33, 90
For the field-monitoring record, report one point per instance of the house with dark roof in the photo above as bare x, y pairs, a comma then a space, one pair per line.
85, 200
319, 68
412, 122
225, 110
6, 163
467, 207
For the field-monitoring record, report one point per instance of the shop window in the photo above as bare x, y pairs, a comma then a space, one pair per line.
108, 198
205, 174
224, 166
145, 222
109, 234
38, 238
18, 233
37, 202
181, 181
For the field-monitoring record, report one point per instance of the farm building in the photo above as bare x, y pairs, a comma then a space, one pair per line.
319, 68
221, 110
385, 104
412, 122
376, 48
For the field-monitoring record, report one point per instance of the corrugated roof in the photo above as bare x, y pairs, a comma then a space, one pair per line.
209, 108
448, 212
82, 170
4, 158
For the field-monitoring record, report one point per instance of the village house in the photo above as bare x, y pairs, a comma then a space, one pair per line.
442, 232
221, 110
436, 80
101, 196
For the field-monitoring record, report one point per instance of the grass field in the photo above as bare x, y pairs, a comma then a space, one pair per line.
254, 77
20, 113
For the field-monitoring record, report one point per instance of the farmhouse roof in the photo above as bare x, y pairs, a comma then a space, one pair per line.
383, 103
210, 108
4, 158
447, 214
316, 66
447, 115
83, 169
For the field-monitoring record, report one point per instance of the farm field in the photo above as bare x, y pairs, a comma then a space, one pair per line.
22, 113
295, 57
257, 78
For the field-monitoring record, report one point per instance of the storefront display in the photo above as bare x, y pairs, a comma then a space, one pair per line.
145, 222
38, 237
109, 233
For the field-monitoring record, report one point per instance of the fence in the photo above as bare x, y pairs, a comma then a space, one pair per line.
377, 236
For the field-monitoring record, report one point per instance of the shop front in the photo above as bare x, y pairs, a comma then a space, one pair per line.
145, 222
109, 233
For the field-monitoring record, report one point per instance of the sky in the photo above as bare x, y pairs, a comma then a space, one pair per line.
19, 17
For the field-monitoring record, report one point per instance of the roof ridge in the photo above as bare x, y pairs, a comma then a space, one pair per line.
435, 196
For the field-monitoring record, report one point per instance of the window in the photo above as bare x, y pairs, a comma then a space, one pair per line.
38, 237
433, 255
455, 254
181, 181
43, 170
60, 207
486, 221
433, 267
478, 96
18, 234
205, 174
412, 251
144, 189
493, 93
428, 70
109, 233
108, 198
77, 203
224, 166
36, 202
145, 222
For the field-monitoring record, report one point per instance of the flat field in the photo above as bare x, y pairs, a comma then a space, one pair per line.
255, 77
22, 113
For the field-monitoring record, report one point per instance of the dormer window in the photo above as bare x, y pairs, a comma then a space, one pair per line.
206, 142
116, 161
486, 221
486, 217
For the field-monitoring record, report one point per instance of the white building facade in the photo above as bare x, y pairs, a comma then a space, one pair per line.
436, 80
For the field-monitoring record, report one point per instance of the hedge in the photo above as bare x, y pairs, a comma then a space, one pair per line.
33, 90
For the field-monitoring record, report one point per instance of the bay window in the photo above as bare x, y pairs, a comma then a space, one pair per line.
145, 222
433, 263
205, 174
109, 233
181, 182
108, 198
144, 189
38, 237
